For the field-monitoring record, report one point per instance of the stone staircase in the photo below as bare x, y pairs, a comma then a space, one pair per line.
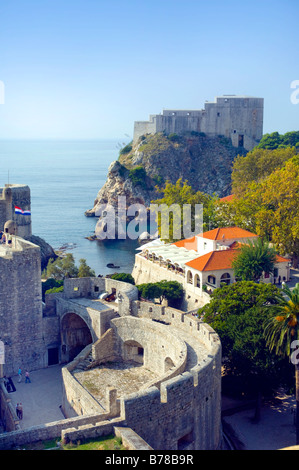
86, 363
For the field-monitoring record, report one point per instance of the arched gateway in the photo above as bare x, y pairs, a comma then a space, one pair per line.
75, 335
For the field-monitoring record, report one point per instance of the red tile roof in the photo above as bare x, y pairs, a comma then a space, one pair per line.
220, 259
227, 198
189, 243
227, 233
214, 261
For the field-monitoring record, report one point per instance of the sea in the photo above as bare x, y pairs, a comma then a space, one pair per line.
64, 178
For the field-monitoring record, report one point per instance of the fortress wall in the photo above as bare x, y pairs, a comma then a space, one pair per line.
184, 321
93, 287
157, 342
183, 416
74, 397
186, 413
228, 115
104, 349
21, 321
144, 127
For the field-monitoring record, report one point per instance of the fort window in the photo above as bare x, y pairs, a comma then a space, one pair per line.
218, 114
241, 140
96, 288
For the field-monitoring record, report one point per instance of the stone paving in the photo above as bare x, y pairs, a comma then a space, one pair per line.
126, 377
41, 398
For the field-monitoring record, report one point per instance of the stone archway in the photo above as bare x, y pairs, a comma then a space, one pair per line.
75, 335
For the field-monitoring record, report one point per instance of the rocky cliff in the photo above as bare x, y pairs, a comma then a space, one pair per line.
205, 162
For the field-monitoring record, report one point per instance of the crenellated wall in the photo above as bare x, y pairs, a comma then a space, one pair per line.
181, 409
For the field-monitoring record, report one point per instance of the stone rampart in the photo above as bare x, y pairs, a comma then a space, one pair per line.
239, 118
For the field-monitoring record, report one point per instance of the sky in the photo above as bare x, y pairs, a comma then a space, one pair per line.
87, 69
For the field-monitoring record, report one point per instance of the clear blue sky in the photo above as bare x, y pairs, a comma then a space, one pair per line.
90, 68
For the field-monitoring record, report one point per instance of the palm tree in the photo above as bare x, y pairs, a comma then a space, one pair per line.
253, 259
282, 333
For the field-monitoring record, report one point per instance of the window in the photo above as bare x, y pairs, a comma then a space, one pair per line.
212, 280
225, 278
189, 277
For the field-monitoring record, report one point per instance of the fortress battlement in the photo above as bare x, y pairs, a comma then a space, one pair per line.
239, 118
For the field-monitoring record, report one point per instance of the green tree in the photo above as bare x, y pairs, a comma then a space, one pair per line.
269, 208
50, 284
254, 258
177, 195
65, 267
238, 313
276, 140
84, 270
282, 334
124, 277
172, 291
257, 165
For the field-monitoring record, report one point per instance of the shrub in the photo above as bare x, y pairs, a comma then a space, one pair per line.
126, 149
137, 176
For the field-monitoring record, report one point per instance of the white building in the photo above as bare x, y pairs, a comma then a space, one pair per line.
201, 263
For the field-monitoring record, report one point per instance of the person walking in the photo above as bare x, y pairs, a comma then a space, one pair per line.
19, 375
27, 378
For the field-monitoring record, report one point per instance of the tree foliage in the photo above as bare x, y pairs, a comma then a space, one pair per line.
238, 314
84, 270
180, 194
169, 290
124, 277
254, 258
283, 327
65, 267
276, 140
269, 208
257, 165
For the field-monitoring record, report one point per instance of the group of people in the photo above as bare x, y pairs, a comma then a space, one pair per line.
27, 377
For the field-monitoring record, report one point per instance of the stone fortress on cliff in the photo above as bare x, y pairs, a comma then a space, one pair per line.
172, 400
239, 118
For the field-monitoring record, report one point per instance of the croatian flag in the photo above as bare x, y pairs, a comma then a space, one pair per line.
18, 210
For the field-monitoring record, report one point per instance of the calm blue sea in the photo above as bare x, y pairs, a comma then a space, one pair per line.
64, 178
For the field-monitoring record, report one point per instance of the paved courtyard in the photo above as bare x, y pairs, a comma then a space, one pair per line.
41, 398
